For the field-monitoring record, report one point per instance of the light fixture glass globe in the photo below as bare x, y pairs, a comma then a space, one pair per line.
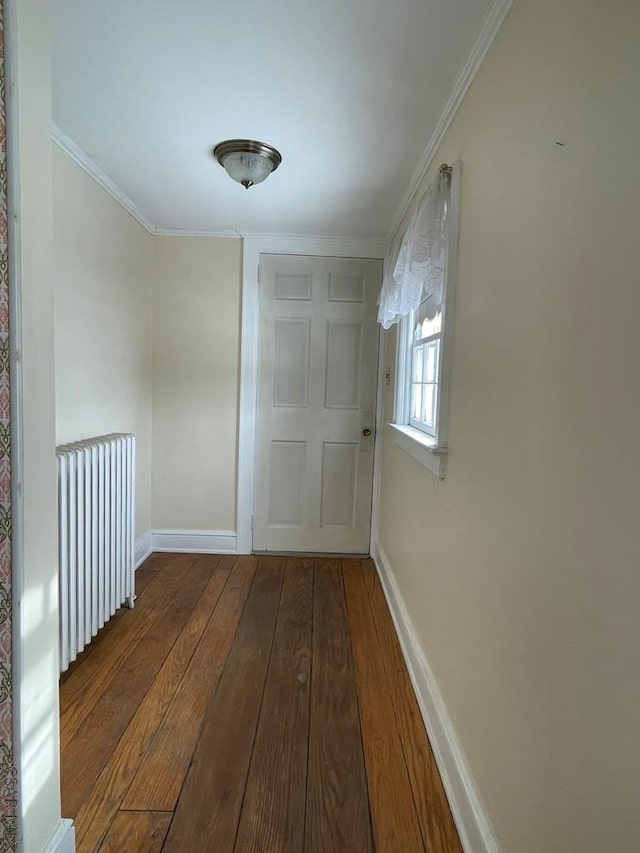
252, 168
247, 161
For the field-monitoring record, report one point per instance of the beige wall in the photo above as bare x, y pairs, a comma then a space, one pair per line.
34, 512
106, 269
196, 334
520, 569
103, 263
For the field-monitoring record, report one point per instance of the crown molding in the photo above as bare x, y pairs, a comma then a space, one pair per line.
189, 232
341, 245
376, 244
492, 23
94, 171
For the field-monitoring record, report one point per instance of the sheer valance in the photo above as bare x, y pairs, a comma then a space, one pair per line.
415, 268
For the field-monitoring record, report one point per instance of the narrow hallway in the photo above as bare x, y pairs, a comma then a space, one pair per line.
249, 704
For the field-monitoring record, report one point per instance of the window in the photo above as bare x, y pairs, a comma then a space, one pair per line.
423, 364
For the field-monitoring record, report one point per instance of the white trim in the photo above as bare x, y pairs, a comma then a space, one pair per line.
195, 541
338, 246
263, 235
66, 144
324, 247
421, 447
472, 822
377, 448
253, 247
189, 232
63, 839
451, 284
492, 23
143, 548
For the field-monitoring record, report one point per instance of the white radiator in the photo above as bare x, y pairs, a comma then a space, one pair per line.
96, 499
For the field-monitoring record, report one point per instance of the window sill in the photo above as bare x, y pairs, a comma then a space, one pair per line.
421, 447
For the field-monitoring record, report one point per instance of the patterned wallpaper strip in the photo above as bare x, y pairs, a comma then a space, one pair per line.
7, 772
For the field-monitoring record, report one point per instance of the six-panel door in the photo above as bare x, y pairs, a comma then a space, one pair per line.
316, 403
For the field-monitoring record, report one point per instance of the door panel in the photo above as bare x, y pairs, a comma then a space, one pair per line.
291, 362
342, 382
287, 467
339, 482
316, 395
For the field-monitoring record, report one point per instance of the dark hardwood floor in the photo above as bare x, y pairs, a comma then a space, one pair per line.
249, 704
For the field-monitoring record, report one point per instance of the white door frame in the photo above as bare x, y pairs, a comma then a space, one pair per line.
253, 247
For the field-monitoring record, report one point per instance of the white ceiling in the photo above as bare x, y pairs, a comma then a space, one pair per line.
349, 91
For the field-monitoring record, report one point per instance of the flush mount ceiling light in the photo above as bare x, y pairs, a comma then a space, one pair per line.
246, 161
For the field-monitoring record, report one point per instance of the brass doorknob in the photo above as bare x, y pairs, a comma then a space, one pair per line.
366, 432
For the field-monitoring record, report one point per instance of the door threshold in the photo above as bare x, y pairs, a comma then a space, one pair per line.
317, 554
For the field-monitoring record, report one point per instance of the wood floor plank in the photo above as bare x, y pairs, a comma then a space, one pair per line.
206, 817
159, 779
337, 815
85, 756
151, 561
137, 832
84, 687
143, 580
105, 797
436, 821
273, 811
144, 577
393, 813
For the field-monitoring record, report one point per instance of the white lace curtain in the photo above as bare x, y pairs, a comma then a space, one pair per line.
415, 267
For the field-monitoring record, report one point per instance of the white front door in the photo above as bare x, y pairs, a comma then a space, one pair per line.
316, 403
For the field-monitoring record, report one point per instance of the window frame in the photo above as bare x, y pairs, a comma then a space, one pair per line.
430, 449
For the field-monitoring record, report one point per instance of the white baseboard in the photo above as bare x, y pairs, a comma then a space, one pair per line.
63, 839
196, 541
469, 814
143, 548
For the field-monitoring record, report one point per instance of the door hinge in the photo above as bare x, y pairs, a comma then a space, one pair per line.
252, 523
259, 273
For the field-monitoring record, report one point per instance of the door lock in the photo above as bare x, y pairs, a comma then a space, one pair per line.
366, 432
